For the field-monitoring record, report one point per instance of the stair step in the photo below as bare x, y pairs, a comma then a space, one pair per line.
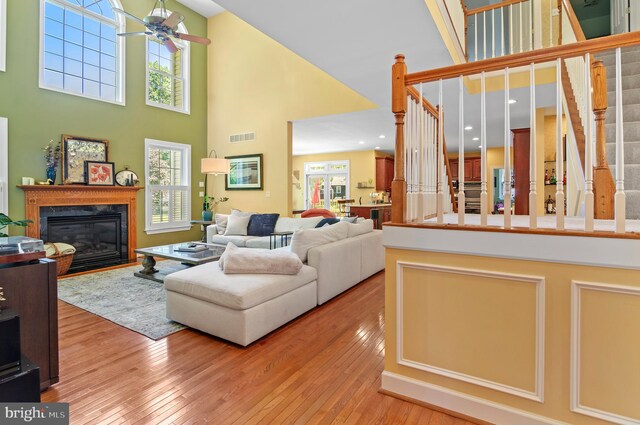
631, 175
632, 208
628, 69
630, 113
609, 60
631, 132
629, 97
631, 153
628, 82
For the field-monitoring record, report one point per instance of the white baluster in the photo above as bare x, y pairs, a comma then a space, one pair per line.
475, 39
510, 29
434, 167
531, 25
440, 199
484, 204
533, 191
588, 150
520, 31
507, 153
493, 33
502, 52
484, 31
407, 144
559, 150
551, 23
461, 197
620, 198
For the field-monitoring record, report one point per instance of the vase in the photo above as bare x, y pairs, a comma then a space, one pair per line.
207, 215
51, 175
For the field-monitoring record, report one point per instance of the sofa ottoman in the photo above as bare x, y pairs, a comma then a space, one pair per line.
238, 307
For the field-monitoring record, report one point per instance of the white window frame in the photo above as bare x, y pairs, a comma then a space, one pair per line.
4, 165
327, 172
120, 50
3, 35
185, 48
151, 228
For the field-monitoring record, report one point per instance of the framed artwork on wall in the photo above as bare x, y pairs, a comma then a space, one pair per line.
75, 151
99, 173
245, 172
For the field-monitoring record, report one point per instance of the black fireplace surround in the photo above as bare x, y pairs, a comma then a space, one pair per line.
98, 232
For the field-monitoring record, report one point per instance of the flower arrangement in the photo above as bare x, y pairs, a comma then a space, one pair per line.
210, 202
52, 153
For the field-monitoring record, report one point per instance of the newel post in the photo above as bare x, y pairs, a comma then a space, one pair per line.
399, 109
603, 185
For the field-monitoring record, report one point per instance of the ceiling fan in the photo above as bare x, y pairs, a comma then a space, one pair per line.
162, 26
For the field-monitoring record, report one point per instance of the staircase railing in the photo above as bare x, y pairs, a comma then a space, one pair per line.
402, 82
424, 158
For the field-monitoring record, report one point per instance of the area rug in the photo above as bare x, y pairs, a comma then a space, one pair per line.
117, 295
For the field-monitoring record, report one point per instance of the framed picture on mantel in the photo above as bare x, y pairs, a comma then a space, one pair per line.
75, 151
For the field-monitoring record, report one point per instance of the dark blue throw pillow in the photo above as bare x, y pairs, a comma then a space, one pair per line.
327, 221
262, 224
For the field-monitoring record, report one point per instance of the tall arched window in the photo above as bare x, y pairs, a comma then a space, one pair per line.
168, 73
80, 52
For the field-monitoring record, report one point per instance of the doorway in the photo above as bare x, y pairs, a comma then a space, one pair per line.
325, 183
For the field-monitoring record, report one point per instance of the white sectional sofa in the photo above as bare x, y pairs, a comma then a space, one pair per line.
244, 307
284, 224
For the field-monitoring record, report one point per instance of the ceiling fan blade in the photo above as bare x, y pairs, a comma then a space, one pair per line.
170, 45
129, 15
127, 34
193, 38
173, 20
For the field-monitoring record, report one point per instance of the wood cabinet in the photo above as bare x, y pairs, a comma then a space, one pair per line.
384, 174
472, 169
379, 213
31, 290
521, 145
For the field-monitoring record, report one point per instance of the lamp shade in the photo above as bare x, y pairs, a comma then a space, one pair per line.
214, 166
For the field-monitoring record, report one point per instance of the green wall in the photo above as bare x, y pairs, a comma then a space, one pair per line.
37, 115
595, 17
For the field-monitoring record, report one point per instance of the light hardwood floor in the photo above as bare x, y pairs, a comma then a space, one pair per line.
322, 368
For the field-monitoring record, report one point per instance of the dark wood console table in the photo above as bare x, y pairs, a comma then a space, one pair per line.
31, 289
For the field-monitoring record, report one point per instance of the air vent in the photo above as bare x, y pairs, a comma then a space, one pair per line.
243, 137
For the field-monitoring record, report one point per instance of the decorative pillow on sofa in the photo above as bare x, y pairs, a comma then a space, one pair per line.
360, 228
353, 219
305, 239
327, 222
262, 224
237, 225
221, 223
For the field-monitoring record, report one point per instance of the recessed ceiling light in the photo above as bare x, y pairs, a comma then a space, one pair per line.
475, 139
361, 142
512, 101
382, 136
468, 128
377, 147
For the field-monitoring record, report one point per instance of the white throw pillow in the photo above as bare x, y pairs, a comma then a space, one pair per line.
360, 228
242, 213
305, 239
221, 223
237, 225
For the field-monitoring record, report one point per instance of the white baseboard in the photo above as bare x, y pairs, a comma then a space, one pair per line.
464, 404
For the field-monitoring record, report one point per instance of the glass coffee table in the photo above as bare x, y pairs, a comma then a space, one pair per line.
173, 252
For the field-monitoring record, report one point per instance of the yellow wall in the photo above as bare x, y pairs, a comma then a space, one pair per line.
484, 327
362, 167
256, 84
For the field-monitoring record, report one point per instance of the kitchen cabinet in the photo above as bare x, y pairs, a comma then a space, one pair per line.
384, 174
378, 212
521, 142
472, 169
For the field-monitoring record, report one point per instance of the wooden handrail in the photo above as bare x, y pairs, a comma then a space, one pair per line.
526, 58
415, 95
489, 7
573, 20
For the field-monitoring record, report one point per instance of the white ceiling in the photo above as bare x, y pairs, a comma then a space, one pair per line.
355, 42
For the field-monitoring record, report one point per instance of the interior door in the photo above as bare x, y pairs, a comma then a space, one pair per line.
620, 18
315, 191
